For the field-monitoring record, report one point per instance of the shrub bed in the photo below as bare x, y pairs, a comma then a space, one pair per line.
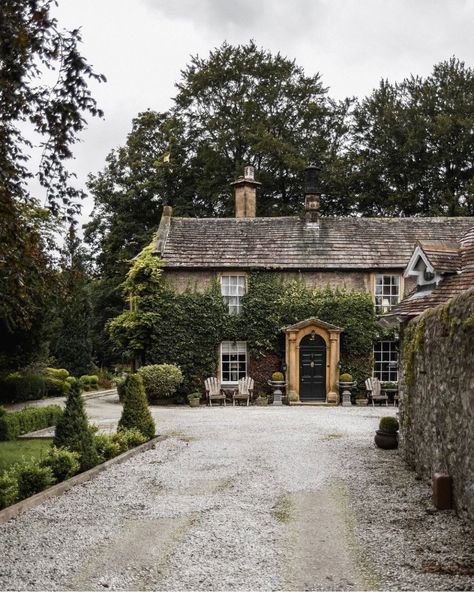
160, 380
30, 419
29, 385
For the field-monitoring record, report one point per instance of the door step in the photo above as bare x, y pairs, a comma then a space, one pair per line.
312, 404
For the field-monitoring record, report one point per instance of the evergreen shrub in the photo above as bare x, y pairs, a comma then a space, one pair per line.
106, 447
8, 489
345, 377
127, 439
32, 478
89, 382
135, 413
160, 380
73, 431
23, 386
389, 424
62, 462
30, 419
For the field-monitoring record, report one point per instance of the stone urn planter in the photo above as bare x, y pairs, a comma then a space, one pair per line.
346, 384
277, 383
386, 437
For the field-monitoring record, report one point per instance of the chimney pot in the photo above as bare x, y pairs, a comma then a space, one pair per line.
249, 172
245, 190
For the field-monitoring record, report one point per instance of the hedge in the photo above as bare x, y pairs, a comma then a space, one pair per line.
30, 419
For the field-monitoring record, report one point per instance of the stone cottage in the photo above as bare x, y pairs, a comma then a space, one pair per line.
365, 254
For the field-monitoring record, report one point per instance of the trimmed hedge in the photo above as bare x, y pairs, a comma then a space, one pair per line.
160, 380
89, 382
28, 385
30, 419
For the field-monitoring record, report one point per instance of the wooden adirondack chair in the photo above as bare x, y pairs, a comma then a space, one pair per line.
244, 391
373, 385
213, 390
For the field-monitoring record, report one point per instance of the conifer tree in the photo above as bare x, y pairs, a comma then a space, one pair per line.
135, 412
73, 431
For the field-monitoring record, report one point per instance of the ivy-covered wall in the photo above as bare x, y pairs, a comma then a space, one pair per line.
186, 328
437, 402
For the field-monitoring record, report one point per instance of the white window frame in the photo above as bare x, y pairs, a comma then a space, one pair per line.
386, 361
233, 287
383, 283
234, 372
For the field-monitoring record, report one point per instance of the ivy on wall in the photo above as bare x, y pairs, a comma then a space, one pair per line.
186, 329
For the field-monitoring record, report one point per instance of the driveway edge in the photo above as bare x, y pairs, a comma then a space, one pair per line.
60, 488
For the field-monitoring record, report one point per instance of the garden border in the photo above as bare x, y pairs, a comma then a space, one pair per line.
60, 488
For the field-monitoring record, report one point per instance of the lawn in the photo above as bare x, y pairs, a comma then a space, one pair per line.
13, 451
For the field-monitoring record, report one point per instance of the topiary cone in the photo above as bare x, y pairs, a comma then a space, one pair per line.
73, 432
135, 413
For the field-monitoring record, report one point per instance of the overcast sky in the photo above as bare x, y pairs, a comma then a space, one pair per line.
142, 45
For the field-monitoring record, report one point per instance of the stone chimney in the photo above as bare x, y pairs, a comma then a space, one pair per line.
245, 190
312, 193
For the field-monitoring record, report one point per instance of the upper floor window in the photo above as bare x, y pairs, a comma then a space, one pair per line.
233, 288
387, 292
233, 361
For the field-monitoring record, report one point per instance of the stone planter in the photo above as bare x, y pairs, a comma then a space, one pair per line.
261, 401
386, 440
346, 388
194, 402
277, 385
362, 402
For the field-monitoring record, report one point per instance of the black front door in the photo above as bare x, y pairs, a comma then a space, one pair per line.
312, 368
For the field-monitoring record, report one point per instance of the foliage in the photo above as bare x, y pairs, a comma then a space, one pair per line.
32, 478
33, 49
58, 373
106, 447
135, 413
412, 150
62, 462
389, 424
30, 419
129, 438
73, 432
160, 380
278, 376
8, 489
72, 346
345, 377
23, 386
89, 382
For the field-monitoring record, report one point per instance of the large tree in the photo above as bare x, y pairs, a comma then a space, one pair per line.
33, 51
412, 149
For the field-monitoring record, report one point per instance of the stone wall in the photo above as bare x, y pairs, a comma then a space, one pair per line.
437, 402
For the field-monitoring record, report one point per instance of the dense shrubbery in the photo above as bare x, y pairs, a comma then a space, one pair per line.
62, 462
27, 420
30, 384
89, 382
135, 413
160, 380
8, 489
33, 478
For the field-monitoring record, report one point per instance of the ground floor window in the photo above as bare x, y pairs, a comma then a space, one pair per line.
386, 361
233, 360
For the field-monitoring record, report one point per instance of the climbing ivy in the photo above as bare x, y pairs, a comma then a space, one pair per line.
186, 328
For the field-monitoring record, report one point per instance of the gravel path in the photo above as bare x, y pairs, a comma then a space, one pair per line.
245, 499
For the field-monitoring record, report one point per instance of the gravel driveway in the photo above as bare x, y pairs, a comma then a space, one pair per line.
245, 499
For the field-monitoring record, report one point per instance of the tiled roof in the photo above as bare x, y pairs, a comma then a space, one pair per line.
290, 243
449, 286
444, 256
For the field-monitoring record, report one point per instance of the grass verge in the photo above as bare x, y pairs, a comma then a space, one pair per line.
13, 451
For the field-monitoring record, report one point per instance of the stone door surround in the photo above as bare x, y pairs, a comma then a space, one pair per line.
331, 335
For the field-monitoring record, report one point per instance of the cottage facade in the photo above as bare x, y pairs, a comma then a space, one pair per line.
365, 254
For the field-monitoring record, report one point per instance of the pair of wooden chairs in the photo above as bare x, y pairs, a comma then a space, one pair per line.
243, 392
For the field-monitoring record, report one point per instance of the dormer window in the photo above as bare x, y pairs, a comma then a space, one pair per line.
387, 292
232, 290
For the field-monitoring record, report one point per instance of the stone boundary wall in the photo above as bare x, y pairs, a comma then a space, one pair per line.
437, 402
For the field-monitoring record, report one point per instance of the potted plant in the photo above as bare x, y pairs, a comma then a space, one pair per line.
277, 383
262, 399
346, 384
361, 400
386, 436
194, 399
